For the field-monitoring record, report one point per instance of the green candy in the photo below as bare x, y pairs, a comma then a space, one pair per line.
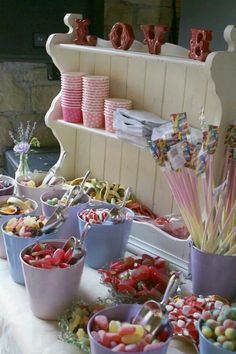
207, 332
230, 333
228, 345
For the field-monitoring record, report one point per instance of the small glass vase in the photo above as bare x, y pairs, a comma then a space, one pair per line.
23, 167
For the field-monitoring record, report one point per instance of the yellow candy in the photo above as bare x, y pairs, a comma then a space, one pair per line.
114, 326
139, 330
80, 333
131, 339
31, 183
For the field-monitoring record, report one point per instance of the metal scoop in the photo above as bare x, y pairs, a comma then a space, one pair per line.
52, 173
153, 315
55, 181
77, 245
81, 187
55, 220
117, 214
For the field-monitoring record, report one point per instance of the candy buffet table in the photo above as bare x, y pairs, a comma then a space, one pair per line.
22, 333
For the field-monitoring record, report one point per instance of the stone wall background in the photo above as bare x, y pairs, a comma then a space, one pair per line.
25, 91
25, 94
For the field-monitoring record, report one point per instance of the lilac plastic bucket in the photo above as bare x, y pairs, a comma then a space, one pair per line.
70, 226
14, 245
123, 313
105, 242
5, 218
9, 190
206, 347
51, 291
34, 192
213, 274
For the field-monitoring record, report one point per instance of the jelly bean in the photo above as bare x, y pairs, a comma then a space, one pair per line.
126, 330
139, 330
130, 338
103, 338
119, 348
113, 337
221, 339
228, 345
114, 326
131, 348
206, 315
148, 338
219, 330
207, 332
58, 256
41, 253
211, 323
228, 323
64, 265
27, 258
37, 247
101, 321
230, 333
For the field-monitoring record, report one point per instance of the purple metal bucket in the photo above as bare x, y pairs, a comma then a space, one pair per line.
123, 313
213, 274
51, 291
9, 190
70, 226
5, 218
34, 193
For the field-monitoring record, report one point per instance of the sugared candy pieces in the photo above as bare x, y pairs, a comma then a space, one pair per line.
184, 314
94, 216
220, 329
125, 337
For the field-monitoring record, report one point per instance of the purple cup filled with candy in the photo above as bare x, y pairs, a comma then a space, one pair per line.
111, 330
6, 185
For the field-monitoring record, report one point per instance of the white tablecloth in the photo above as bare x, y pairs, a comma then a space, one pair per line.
23, 333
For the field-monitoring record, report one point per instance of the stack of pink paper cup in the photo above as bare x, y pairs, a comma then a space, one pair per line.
71, 96
95, 90
110, 106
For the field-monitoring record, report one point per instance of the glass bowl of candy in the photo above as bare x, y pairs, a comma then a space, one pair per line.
10, 206
31, 187
136, 279
217, 331
111, 330
48, 267
19, 232
6, 185
106, 241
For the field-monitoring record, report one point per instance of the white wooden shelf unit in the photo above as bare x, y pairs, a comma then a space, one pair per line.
162, 84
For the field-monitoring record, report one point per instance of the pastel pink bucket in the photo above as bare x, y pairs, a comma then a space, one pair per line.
51, 291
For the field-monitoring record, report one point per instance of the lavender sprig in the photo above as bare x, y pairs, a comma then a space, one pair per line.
23, 139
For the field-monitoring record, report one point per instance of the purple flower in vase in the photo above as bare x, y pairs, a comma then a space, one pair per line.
22, 148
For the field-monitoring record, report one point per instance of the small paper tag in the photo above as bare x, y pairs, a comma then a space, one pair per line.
176, 157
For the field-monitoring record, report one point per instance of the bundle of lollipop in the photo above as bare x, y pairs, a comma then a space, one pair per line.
186, 156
